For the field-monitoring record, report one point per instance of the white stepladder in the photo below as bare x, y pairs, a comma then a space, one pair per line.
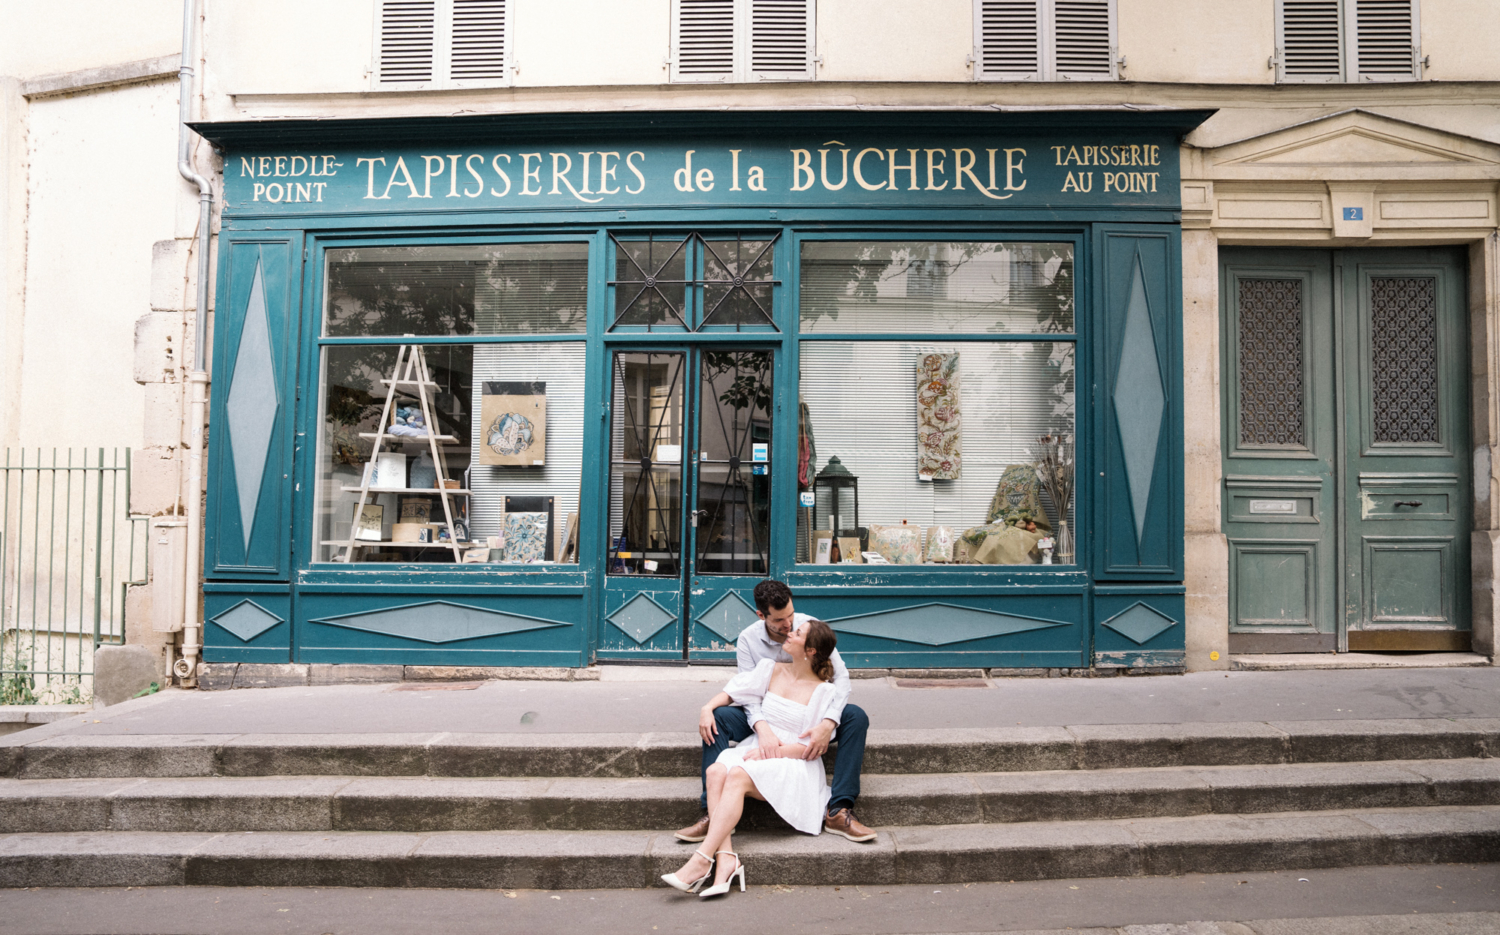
410, 371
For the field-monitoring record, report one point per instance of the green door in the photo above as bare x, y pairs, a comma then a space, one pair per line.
689, 500
1406, 445
1345, 415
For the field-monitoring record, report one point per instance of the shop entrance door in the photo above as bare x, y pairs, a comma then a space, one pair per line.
689, 500
1347, 479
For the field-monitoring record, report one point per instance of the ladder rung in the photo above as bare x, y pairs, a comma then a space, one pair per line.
410, 383
411, 438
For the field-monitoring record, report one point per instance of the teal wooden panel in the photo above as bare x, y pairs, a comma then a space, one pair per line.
1139, 627
248, 523
1137, 434
482, 627
247, 623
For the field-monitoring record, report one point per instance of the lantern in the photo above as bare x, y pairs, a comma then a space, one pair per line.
836, 501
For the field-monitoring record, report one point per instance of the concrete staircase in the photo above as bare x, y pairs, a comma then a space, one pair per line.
594, 811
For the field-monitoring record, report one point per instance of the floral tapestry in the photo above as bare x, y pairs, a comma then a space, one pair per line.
939, 448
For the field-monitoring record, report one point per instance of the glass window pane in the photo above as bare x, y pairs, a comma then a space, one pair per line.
734, 480
651, 283
737, 282
866, 405
872, 287
456, 290
646, 460
353, 400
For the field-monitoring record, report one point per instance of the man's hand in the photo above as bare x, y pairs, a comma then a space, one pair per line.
817, 739
770, 744
708, 726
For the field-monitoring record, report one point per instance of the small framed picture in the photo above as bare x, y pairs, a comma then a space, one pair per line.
824, 546
416, 510
371, 519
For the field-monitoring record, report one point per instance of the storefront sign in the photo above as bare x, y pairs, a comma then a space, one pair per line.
1131, 169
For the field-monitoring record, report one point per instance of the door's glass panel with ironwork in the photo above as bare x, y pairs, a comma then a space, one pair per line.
875, 286
646, 464
457, 289
737, 282
1403, 359
651, 283
1271, 363
734, 480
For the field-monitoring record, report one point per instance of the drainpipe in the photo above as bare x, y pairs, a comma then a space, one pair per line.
186, 668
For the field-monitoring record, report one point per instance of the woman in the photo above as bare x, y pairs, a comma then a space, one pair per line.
793, 696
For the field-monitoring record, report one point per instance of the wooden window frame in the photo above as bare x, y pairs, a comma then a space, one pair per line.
1046, 48
442, 53
742, 70
1348, 45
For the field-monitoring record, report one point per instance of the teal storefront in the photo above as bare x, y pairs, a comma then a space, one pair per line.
541, 391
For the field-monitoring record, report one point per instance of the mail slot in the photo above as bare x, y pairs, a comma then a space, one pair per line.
1286, 507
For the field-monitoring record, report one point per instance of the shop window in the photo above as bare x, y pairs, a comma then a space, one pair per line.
440, 44
1347, 40
1045, 40
694, 283
743, 40
935, 441
505, 417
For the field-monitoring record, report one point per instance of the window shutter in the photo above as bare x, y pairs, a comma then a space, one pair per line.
705, 40
781, 39
1385, 45
1010, 39
1083, 39
1310, 46
478, 40
407, 31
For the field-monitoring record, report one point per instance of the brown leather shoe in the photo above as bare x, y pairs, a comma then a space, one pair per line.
695, 832
843, 822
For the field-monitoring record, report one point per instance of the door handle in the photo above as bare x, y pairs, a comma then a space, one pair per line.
1408, 503
693, 516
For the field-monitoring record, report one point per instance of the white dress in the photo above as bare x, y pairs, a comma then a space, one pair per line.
796, 788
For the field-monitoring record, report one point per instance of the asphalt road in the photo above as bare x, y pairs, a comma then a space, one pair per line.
1410, 900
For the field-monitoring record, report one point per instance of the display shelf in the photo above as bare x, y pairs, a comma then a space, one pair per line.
410, 383
443, 439
387, 543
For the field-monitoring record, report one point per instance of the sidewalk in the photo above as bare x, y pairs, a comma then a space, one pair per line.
615, 707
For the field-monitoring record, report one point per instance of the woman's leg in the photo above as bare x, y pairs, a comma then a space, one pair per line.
714, 779
726, 815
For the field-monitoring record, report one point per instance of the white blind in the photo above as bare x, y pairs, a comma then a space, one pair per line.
407, 36
705, 39
1383, 37
781, 38
1311, 46
862, 398
478, 40
1081, 39
1009, 39
561, 366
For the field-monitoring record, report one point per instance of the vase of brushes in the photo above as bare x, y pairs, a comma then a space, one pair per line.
1054, 471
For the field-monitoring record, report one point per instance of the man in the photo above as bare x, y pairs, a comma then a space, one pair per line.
718, 726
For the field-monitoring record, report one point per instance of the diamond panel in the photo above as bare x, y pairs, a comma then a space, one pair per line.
252, 404
1140, 623
728, 616
938, 624
1403, 359
641, 618
246, 620
439, 622
1271, 362
1139, 399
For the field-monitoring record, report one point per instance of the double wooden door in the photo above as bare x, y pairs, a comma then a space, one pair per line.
1347, 481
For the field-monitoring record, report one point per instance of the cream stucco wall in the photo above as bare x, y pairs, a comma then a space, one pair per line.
101, 190
100, 32
1196, 41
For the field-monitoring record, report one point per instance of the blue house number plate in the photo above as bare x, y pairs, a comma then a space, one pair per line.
1354, 214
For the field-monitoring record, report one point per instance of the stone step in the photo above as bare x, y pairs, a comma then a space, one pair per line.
907, 854
421, 804
1082, 747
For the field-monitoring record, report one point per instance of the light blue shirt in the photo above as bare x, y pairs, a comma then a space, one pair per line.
754, 645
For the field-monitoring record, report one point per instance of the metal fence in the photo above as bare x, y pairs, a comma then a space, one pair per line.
68, 549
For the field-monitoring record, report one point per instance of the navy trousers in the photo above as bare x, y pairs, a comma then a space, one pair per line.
849, 742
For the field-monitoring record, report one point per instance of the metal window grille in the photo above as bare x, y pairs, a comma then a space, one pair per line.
68, 549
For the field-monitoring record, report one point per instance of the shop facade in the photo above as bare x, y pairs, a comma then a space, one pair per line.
550, 391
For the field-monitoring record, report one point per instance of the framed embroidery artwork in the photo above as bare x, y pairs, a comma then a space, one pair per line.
513, 424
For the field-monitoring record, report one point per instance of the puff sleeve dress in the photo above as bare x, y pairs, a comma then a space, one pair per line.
797, 789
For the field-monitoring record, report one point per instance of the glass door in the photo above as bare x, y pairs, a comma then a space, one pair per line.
689, 500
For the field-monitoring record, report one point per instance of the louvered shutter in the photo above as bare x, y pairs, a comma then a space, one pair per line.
1384, 40
1083, 39
1008, 39
479, 34
1309, 40
704, 48
406, 42
781, 39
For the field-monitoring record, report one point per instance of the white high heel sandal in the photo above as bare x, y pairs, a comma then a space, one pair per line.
671, 878
719, 889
